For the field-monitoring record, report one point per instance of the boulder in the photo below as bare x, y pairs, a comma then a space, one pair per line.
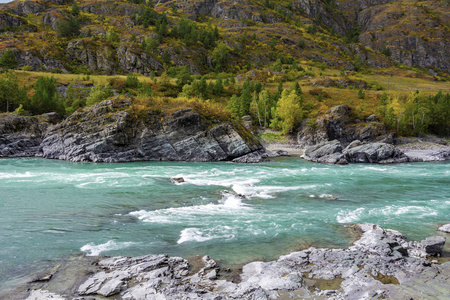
445, 228
327, 152
374, 153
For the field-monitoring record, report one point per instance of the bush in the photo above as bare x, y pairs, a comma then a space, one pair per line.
132, 81
99, 93
8, 60
69, 28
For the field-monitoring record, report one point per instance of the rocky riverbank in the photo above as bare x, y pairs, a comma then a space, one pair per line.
338, 138
110, 132
380, 264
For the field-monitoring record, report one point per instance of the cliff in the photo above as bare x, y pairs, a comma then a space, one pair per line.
110, 131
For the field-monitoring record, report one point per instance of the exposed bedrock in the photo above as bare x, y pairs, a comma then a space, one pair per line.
380, 264
110, 132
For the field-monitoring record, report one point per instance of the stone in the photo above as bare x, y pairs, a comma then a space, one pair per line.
177, 180
445, 228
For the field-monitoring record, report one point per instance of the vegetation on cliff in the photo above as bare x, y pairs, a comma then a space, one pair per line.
278, 61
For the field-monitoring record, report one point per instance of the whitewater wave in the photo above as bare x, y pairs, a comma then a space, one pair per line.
202, 235
94, 250
229, 204
397, 210
350, 216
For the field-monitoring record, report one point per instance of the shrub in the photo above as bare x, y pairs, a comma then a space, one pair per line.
69, 28
99, 93
8, 60
132, 81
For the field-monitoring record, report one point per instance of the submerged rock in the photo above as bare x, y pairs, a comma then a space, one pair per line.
381, 263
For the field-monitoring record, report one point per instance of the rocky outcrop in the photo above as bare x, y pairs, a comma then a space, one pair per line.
380, 264
339, 124
380, 26
332, 152
109, 132
228, 10
20, 136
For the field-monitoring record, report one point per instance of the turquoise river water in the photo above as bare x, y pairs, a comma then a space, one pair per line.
50, 210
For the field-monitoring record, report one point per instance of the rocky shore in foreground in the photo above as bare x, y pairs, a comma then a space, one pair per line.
380, 264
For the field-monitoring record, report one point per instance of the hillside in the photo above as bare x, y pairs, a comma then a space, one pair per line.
113, 37
238, 58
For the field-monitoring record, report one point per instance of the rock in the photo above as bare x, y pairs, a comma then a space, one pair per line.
107, 132
253, 157
338, 124
434, 245
381, 263
445, 228
374, 153
328, 152
177, 180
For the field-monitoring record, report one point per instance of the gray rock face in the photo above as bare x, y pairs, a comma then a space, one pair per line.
445, 228
327, 152
332, 152
107, 132
374, 153
381, 263
20, 136
337, 124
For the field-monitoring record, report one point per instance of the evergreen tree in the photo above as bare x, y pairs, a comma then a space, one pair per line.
8, 60
218, 87
45, 98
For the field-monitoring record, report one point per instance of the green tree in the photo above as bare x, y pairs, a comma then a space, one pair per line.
8, 60
361, 94
68, 29
75, 11
99, 93
219, 57
288, 112
234, 105
218, 87
45, 98
184, 77
11, 95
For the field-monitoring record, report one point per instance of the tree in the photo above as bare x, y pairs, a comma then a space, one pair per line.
45, 98
219, 57
184, 77
69, 28
288, 112
234, 105
11, 95
218, 87
8, 60
75, 9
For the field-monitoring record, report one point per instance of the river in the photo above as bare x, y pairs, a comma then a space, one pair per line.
235, 213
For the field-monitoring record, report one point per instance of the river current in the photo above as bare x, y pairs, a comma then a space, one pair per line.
235, 213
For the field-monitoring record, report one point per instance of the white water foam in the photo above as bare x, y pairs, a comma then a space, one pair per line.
229, 204
94, 250
202, 235
350, 216
397, 210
